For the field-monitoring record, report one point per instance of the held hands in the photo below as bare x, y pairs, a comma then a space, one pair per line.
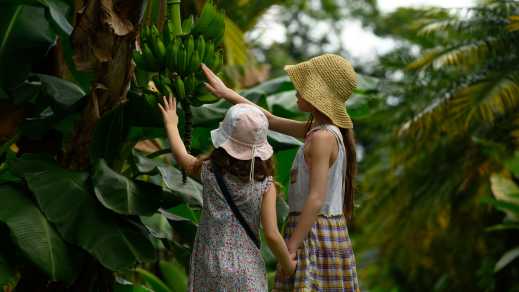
169, 111
288, 269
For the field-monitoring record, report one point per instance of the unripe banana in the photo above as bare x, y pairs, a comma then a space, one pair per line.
190, 47
200, 47
149, 58
181, 59
195, 62
181, 91
209, 54
160, 51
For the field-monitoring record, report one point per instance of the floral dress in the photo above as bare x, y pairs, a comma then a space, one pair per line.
224, 258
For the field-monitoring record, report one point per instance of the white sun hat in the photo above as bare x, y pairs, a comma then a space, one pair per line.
243, 133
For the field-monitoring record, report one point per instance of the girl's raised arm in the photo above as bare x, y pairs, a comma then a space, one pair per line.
187, 161
286, 126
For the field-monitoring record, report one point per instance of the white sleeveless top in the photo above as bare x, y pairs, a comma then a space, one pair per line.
300, 179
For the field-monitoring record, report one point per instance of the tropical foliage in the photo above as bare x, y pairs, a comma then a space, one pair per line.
92, 201
448, 124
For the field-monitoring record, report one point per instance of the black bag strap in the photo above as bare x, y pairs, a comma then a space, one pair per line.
230, 202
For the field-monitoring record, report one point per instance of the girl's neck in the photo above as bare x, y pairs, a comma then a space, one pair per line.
320, 119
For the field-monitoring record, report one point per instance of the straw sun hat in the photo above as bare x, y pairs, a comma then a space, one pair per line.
326, 82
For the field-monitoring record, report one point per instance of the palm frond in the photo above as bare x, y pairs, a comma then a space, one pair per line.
461, 55
440, 25
481, 101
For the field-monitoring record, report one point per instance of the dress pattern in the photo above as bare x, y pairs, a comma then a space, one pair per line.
224, 258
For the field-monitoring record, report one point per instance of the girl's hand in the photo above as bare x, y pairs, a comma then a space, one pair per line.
291, 269
216, 85
169, 111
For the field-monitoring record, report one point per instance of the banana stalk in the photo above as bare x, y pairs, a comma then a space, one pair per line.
174, 14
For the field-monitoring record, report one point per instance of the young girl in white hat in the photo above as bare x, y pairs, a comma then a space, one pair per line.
238, 195
321, 189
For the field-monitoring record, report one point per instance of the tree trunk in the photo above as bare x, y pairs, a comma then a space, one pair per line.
103, 39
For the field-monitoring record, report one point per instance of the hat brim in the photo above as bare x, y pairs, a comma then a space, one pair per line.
239, 150
314, 90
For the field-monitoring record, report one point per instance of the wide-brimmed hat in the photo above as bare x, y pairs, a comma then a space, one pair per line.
326, 82
243, 133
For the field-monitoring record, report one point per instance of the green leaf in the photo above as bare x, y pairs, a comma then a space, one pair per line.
171, 179
502, 205
513, 164
109, 135
174, 275
130, 287
504, 188
281, 141
185, 229
63, 195
35, 236
64, 92
153, 281
158, 226
503, 226
25, 36
120, 194
58, 12
143, 111
507, 258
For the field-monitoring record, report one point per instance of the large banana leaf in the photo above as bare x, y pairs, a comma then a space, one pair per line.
25, 36
66, 200
170, 178
35, 236
124, 196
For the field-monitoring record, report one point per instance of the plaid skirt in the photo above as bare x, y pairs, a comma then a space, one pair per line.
325, 260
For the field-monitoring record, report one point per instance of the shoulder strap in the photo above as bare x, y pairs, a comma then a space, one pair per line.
235, 210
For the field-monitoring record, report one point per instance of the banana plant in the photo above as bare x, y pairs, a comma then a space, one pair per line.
174, 55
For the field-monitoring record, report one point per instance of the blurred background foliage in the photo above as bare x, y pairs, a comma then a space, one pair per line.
91, 199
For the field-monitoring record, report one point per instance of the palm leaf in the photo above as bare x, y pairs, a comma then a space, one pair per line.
461, 55
481, 101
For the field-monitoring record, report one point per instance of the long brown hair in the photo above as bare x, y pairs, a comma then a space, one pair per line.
240, 168
348, 137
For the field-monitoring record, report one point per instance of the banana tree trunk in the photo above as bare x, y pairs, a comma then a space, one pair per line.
103, 39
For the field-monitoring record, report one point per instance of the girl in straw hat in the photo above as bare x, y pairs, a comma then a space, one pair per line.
238, 194
320, 196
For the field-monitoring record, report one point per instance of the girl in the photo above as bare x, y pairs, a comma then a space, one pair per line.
225, 257
321, 192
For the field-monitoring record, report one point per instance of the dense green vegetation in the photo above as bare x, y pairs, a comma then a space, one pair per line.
91, 200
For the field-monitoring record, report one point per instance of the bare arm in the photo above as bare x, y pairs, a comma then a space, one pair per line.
321, 148
274, 239
286, 126
187, 161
